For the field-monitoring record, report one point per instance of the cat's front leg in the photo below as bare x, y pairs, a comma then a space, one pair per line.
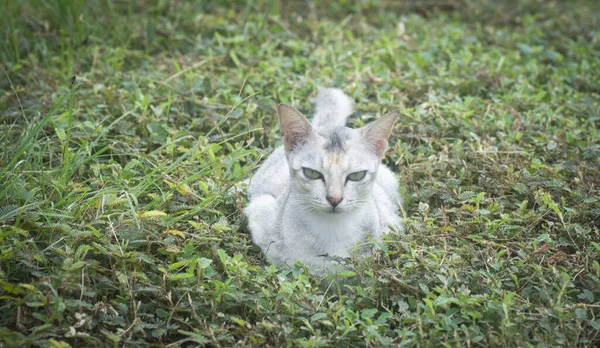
262, 212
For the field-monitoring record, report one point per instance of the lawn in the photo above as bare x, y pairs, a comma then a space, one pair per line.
127, 129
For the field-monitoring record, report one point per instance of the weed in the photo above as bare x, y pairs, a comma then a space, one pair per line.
120, 203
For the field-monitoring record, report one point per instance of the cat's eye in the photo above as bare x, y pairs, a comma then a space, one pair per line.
312, 174
357, 176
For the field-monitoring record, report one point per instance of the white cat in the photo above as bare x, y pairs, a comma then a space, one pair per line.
325, 190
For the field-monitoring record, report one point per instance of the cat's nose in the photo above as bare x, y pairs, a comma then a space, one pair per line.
334, 201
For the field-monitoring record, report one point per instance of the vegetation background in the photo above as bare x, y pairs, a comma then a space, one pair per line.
120, 211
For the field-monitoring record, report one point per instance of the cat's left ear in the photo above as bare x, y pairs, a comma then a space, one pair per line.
377, 132
295, 128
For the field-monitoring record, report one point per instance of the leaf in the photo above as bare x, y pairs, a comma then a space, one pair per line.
318, 316
508, 298
223, 256
588, 295
61, 134
75, 266
524, 48
180, 264
542, 237
58, 344
8, 211
466, 195
122, 278
180, 276
204, 262
221, 227
34, 304
111, 336
515, 279
479, 197
175, 233
468, 207
196, 337
581, 313
161, 313
383, 318
183, 189
346, 274
157, 131
240, 322
151, 213
368, 313
538, 97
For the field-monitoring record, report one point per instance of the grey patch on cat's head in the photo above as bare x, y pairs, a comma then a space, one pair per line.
336, 140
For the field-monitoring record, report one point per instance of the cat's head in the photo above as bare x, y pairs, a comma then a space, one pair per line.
332, 169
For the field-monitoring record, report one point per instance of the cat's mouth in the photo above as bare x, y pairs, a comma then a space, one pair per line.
331, 210
338, 210
328, 209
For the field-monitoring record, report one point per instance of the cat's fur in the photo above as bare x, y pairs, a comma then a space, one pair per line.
295, 218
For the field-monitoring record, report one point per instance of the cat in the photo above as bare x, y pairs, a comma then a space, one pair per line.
325, 189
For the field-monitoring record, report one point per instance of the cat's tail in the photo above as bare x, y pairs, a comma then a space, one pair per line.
332, 108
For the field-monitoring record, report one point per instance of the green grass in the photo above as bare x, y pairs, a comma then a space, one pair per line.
121, 222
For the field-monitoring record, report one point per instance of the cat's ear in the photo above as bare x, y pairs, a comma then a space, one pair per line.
294, 126
377, 132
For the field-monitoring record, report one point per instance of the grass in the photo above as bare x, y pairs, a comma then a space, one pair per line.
120, 214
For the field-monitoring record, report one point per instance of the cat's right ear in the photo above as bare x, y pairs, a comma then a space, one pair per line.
377, 132
294, 126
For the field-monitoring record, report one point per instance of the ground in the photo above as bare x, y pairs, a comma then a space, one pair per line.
127, 128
